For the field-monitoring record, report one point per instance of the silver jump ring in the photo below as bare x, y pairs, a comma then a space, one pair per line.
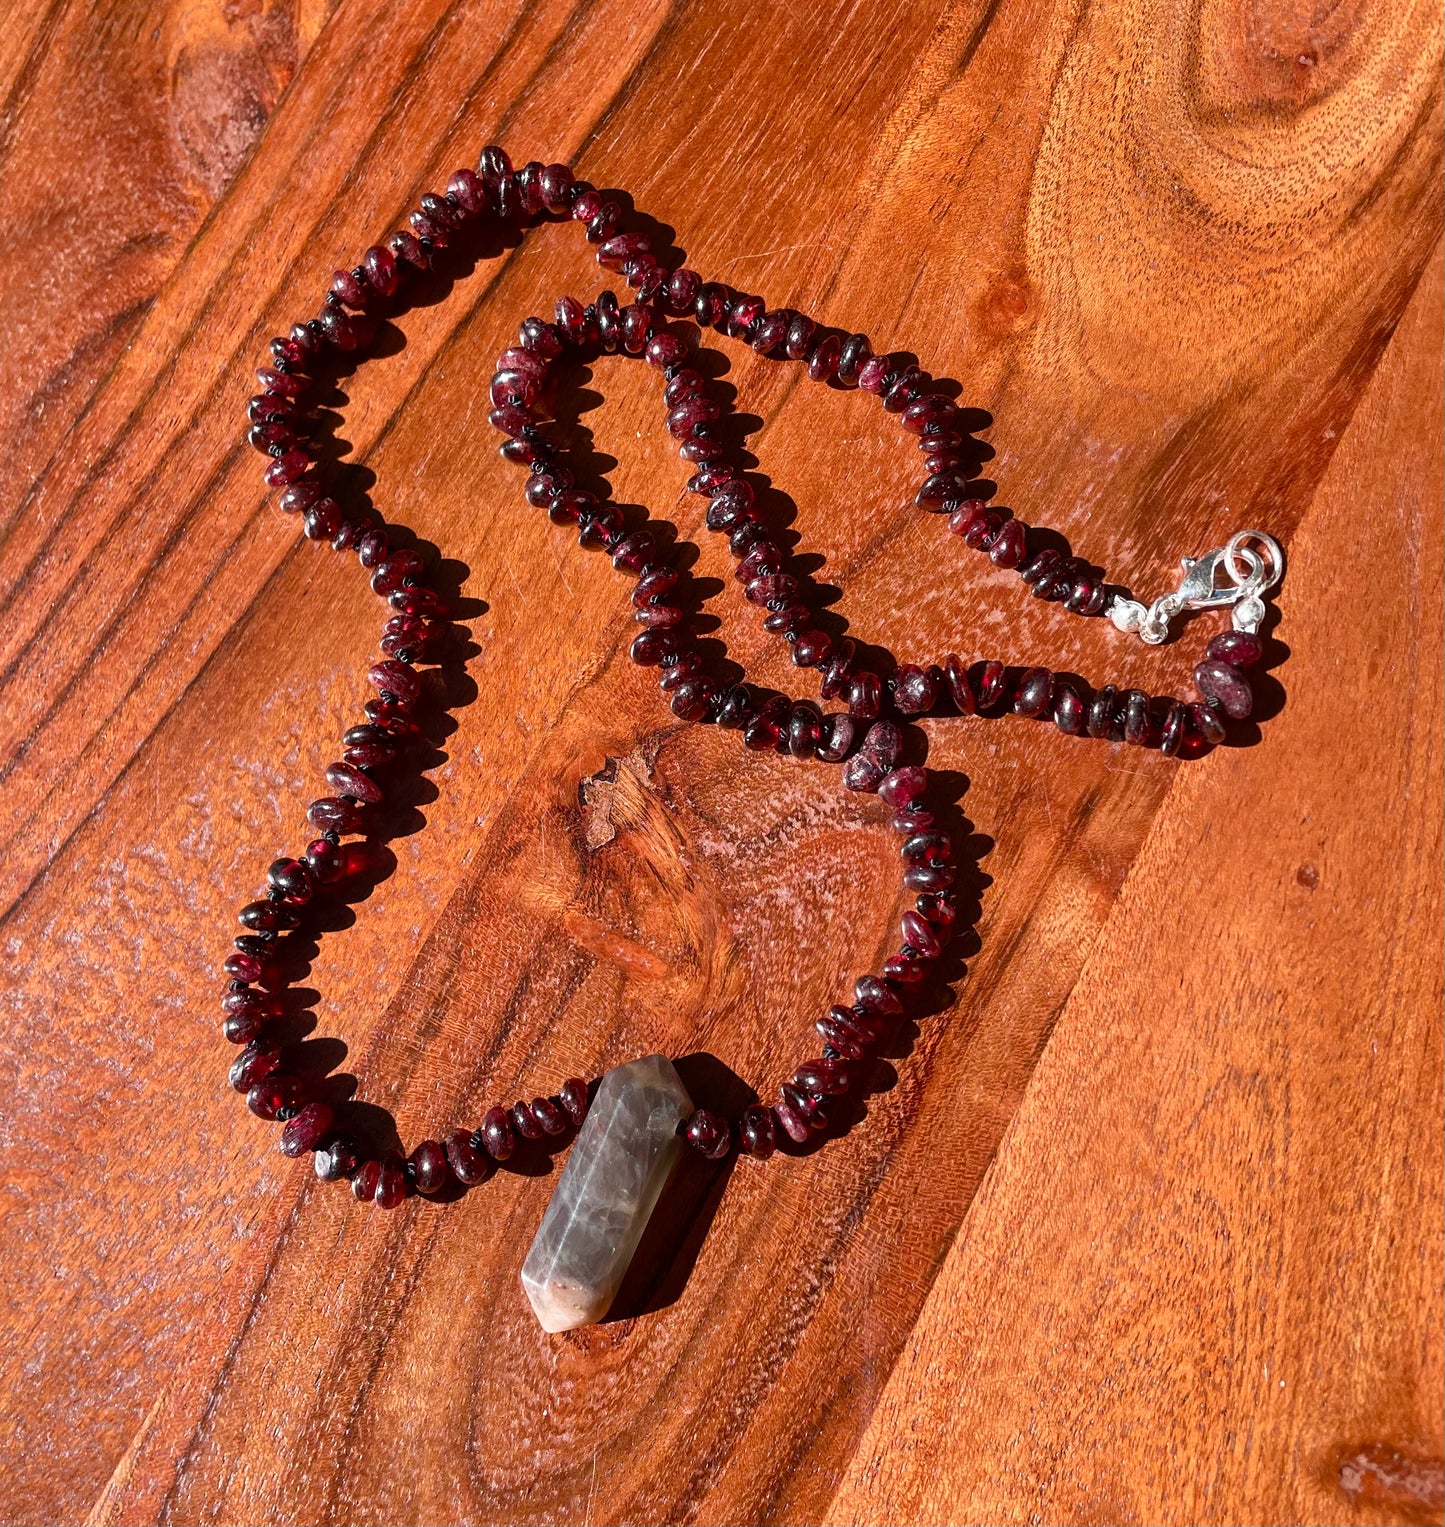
1254, 565
1268, 570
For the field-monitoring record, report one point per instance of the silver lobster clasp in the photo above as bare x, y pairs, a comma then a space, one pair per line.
1235, 576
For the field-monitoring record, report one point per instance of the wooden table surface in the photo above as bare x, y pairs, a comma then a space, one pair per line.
1142, 1222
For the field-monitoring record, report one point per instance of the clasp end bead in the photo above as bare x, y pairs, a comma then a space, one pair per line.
1234, 576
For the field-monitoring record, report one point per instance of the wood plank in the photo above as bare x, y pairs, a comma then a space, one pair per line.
1202, 1282
1131, 263
121, 126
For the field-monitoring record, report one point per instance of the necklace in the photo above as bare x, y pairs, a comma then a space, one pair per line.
631, 1124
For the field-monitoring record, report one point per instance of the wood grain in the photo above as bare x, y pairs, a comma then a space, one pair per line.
1221, 1277
1167, 249
120, 131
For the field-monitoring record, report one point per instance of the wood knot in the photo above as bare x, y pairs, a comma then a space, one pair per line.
228, 67
1385, 1477
1010, 304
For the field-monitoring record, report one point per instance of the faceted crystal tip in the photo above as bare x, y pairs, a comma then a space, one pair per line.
606, 1193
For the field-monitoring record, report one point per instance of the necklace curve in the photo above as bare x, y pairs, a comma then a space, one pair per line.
631, 1123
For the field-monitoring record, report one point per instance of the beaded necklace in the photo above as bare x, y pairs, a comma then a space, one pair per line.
631, 1123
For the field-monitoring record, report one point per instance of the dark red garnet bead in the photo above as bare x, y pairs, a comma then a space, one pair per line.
1069, 713
823, 1077
468, 1160
1031, 698
1138, 724
268, 1097
550, 1116
758, 1132
708, 1134
256, 1062
914, 689
1219, 681
335, 1160
1242, 648
429, 1167
1100, 718
990, 684
842, 1036
293, 879
524, 1121
1208, 723
794, 1123
497, 1135
391, 1183
305, 1130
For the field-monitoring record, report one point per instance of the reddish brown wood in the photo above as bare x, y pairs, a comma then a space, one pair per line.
118, 139
1169, 270
1222, 1276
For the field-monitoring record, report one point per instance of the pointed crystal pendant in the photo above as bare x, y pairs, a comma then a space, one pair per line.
616, 1169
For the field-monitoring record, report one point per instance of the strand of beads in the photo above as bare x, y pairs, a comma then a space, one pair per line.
1176, 727
520, 390
284, 428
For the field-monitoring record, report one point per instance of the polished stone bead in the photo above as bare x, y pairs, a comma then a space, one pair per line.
242, 1028
497, 1135
876, 996
902, 787
958, 684
1069, 713
1138, 726
468, 1161
1100, 719
825, 1078
1221, 681
823, 362
1175, 733
430, 1170
914, 689
573, 1098
795, 1126
607, 1191
305, 1130
883, 743
336, 1160
708, 1134
863, 773
856, 352
1035, 688
919, 933
254, 1064
990, 684
836, 739
1208, 723
267, 1098
1007, 548
757, 1132
1238, 647
842, 1037
391, 1183
864, 694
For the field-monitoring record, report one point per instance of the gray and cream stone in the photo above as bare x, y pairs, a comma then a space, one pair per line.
615, 1171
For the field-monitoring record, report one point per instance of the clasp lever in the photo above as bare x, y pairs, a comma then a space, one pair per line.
1234, 576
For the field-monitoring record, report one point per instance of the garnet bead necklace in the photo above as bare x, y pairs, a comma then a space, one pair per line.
630, 1124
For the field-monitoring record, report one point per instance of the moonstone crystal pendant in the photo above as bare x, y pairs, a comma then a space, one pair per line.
618, 1164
